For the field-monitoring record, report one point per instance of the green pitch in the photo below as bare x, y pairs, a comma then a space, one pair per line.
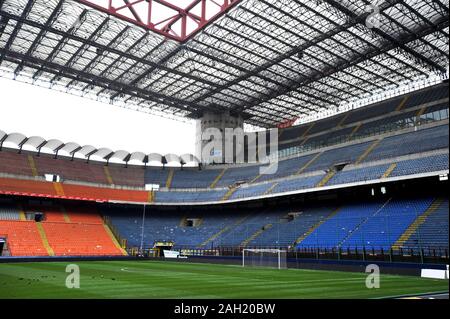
150, 279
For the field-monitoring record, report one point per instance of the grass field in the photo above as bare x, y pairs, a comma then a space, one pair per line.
152, 279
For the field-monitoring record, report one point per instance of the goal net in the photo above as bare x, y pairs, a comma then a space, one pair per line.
273, 258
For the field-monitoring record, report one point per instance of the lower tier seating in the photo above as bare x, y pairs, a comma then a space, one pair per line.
83, 215
168, 227
82, 233
286, 231
76, 239
23, 238
433, 232
377, 225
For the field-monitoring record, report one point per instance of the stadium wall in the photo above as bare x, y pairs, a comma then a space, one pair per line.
406, 269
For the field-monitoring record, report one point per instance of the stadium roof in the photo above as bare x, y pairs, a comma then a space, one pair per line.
272, 61
40, 145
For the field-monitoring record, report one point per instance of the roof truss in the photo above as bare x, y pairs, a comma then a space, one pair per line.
165, 17
272, 61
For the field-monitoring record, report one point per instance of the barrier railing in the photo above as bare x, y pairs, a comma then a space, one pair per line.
438, 255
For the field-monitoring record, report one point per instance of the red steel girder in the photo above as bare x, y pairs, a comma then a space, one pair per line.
287, 124
174, 21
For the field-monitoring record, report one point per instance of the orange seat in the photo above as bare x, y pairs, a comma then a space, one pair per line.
84, 215
26, 186
22, 238
105, 193
53, 215
21, 187
75, 239
85, 235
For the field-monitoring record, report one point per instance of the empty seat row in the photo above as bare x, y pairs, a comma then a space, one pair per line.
83, 234
376, 224
79, 239
22, 238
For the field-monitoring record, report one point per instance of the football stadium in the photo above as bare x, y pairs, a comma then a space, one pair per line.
321, 158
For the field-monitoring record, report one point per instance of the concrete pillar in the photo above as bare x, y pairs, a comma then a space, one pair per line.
219, 121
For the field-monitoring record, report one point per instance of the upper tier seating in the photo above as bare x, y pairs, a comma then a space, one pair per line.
127, 176
324, 125
77, 170
293, 132
252, 191
428, 95
410, 115
238, 174
189, 197
359, 174
410, 143
426, 164
105, 193
422, 165
47, 189
9, 185
287, 167
297, 183
156, 176
430, 139
371, 112
414, 99
391, 123
327, 139
347, 154
14, 163
194, 178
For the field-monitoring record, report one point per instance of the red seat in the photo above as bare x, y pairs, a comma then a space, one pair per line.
23, 238
76, 239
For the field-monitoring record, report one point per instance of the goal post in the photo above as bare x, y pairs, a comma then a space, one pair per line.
272, 258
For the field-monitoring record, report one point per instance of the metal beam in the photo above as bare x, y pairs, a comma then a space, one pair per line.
41, 34
105, 48
165, 27
70, 73
17, 27
367, 56
397, 42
